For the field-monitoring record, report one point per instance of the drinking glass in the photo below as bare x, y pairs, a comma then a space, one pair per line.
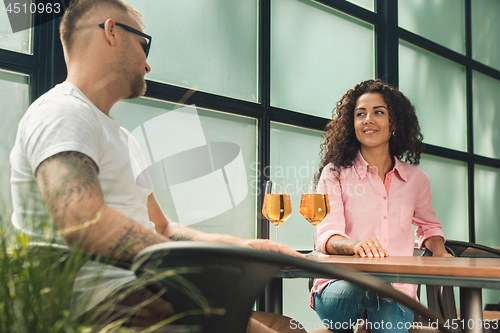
277, 205
314, 207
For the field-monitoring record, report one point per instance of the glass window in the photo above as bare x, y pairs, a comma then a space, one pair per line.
486, 100
14, 88
366, 4
317, 54
296, 304
426, 19
208, 45
202, 163
295, 158
487, 210
449, 194
436, 87
19, 41
485, 30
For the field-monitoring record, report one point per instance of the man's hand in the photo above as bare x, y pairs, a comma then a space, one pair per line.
267, 245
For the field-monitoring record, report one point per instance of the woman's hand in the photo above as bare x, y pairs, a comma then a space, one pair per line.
441, 254
370, 247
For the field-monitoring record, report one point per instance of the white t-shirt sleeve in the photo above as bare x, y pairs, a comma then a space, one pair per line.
58, 126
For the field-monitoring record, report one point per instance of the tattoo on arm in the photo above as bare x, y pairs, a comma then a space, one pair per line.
341, 246
129, 241
72, 192
68, 178
182, 236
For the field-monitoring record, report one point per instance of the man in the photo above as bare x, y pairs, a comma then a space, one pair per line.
78, 157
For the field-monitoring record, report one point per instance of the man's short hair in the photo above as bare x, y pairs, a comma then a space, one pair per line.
79, 8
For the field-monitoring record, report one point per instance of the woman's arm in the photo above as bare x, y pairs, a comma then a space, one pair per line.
429, 231
435, 244
369, 247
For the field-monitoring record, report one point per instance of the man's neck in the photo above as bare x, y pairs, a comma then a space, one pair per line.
102, 91
379, 159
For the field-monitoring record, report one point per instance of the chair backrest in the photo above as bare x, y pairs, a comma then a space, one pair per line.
441, 299
459, 247
230, 278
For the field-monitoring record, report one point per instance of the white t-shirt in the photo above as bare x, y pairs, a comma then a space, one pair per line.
62, 120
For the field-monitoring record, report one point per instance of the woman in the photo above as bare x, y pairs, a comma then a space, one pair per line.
375, 198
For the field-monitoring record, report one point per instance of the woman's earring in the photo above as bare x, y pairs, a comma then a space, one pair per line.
393, 133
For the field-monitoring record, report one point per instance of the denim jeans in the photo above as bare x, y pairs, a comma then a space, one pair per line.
341, 304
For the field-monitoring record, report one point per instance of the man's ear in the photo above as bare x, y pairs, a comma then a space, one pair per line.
109, 31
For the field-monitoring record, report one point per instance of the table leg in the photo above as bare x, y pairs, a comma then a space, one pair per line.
471, 310
274, 296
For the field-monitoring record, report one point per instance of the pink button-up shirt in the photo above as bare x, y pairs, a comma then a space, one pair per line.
362, 206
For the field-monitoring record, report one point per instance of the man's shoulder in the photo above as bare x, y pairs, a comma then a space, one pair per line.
64, 94
64, 100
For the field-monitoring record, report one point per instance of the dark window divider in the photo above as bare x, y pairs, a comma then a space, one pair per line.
445, 52
12, 58
264, 129
447, 153
297, 119
386, 40
485, 69
174, 94
461, 156
470, 127
351, 9
433, 47
264, 143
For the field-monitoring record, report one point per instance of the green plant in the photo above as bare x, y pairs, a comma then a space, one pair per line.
36, 289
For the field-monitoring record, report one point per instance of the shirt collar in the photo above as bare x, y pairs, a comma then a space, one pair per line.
361, 167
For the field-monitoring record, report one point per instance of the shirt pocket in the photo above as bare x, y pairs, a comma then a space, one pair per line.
405, 217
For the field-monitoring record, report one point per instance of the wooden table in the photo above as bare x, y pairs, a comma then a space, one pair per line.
470, 274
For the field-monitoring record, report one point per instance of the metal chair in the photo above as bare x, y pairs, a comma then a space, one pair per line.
441, 299
231, 278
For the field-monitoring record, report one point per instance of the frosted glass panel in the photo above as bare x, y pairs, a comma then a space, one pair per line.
203, 163
436, 87
294, 157
367, 4
449, 194
486, 110
311, 65
441, 21
208, 45
485, 30
14, 91
487, 209
19, 41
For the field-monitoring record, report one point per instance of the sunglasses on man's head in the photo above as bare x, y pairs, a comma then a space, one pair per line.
137, 32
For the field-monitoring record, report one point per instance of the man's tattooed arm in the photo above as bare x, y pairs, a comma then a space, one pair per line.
73, 195
182, 236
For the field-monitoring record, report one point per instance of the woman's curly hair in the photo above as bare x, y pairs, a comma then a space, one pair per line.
340, 145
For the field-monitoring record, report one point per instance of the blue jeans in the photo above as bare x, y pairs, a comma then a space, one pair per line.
341, 304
